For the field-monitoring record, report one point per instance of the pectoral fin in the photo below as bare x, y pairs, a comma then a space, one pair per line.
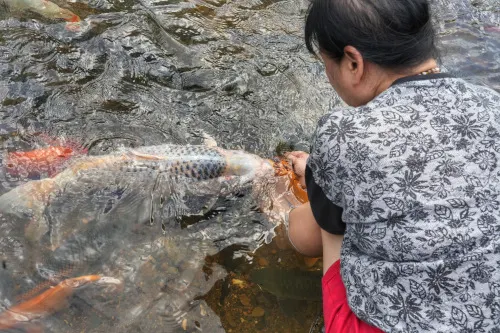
208, 140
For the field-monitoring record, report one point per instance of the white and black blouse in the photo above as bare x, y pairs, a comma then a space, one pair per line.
413, 181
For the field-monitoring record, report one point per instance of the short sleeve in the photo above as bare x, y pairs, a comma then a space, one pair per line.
327, 215
325, 160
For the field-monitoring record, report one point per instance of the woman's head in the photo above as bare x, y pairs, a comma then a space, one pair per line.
395, 36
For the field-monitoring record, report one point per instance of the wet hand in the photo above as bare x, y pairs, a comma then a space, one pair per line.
298, 160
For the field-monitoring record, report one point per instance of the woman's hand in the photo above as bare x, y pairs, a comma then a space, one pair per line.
298, 160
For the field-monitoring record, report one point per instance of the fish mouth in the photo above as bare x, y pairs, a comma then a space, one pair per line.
266, 168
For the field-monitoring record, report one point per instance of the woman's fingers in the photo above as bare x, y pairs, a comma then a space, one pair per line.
299, 160
297, 154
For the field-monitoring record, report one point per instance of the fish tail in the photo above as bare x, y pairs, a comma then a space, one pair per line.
29, 198
27, 202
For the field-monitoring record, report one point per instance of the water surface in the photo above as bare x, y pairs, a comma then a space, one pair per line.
154, 71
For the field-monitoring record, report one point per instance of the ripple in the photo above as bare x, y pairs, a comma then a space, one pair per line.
154, 71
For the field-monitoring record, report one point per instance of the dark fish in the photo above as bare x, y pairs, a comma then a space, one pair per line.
289, 283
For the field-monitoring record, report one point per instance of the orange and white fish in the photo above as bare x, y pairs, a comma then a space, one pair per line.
51, 301
44, 161
47, 9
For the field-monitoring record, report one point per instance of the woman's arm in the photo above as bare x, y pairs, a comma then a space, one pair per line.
304, 232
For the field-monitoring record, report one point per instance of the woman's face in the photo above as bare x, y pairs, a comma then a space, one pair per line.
339, 77
355, 80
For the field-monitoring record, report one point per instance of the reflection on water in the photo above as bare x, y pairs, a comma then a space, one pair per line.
148, 72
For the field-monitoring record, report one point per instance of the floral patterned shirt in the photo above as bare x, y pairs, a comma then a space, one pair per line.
417, 174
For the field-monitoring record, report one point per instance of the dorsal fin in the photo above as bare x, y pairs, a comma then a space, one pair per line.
144, 156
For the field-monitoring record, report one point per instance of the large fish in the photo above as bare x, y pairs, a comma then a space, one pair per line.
149, 182
288, 283
290, 286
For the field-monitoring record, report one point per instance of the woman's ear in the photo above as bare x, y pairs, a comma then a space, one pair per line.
353, 60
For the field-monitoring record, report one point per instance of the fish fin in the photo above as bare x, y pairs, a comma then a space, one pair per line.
74, 26
290, 307
318, 325
174, 206
31, 327
208, 140
28, 202
135, 154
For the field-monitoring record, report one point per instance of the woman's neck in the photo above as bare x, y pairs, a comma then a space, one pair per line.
388, 78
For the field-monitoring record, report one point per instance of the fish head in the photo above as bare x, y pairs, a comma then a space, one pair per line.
80, 282
278, 194
247, 166
109, 283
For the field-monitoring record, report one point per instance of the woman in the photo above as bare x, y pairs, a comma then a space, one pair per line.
404, 184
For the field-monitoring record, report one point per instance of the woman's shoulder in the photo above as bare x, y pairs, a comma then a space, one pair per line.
409, 106
438, 89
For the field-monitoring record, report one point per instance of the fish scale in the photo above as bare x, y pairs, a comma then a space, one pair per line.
103, 203
142, 184
196, 162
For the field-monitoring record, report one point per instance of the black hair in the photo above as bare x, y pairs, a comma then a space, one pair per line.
395, 34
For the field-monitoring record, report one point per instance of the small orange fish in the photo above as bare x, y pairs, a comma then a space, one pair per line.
50, 301
41, 161
283, 168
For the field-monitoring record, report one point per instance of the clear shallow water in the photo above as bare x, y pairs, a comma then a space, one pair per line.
151, 72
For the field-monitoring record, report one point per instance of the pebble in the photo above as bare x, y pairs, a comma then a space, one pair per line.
239, 283
257, 312
310, 262
231, 321
184, 324
263, 262
267, 69
245, 300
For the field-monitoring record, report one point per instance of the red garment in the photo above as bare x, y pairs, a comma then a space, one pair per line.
338, 315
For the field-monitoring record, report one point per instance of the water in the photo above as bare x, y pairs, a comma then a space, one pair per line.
153, 71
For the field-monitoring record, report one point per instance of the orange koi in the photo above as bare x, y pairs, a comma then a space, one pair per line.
50, 301
36, 162
283, 168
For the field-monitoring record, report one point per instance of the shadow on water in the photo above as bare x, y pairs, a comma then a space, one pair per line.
148, 72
